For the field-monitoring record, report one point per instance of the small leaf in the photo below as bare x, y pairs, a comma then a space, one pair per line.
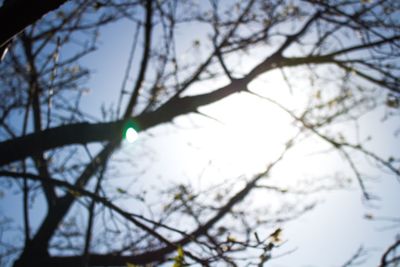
230, 239
177, 196
180, 251
166, 207
221, 230
179, 259
318, 94
196, 43
276, 235
120, 190
74, 193
369, 216
332, 103
392, 101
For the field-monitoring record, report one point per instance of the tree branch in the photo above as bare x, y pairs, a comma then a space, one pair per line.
16, 15
145, 60
82, 133
155, 255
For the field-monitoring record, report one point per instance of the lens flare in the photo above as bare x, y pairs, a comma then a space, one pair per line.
131, 135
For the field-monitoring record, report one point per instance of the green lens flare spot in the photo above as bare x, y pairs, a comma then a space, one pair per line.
130, 132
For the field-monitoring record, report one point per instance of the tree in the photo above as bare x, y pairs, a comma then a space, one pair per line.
347, 53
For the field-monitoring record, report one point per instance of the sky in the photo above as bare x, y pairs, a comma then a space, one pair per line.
326, 236
245, 134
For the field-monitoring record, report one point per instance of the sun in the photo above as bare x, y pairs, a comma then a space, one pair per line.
254, 131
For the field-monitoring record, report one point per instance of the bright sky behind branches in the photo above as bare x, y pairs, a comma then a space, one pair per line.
237, 137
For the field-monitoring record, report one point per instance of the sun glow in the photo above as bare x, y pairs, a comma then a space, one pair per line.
254, 130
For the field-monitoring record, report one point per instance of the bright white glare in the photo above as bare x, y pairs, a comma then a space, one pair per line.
131, 135
255, 131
